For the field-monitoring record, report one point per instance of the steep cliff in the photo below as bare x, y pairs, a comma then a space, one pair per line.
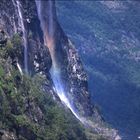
45, 49
106, 35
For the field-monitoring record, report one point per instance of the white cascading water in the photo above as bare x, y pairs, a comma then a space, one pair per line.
19, 68
48, 31
21, 24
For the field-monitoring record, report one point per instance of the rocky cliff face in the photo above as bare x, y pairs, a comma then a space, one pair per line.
40, 60
71, 70
39, 56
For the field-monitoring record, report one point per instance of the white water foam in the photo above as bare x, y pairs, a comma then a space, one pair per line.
19, 68
21, 21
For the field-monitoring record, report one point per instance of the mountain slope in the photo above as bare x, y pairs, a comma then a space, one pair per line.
28, 113
106, 34
28, 51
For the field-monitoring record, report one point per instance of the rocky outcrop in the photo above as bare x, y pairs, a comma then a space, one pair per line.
78, 85
3, 38
40, 59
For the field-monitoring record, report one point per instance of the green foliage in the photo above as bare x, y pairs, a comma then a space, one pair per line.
1, 71
12, 48
9, 45
22, 101
16, 40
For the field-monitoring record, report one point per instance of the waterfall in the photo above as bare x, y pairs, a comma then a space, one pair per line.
44, 9
19, 68
17, 5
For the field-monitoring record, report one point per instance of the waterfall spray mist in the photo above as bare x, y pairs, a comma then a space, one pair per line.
47, 25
